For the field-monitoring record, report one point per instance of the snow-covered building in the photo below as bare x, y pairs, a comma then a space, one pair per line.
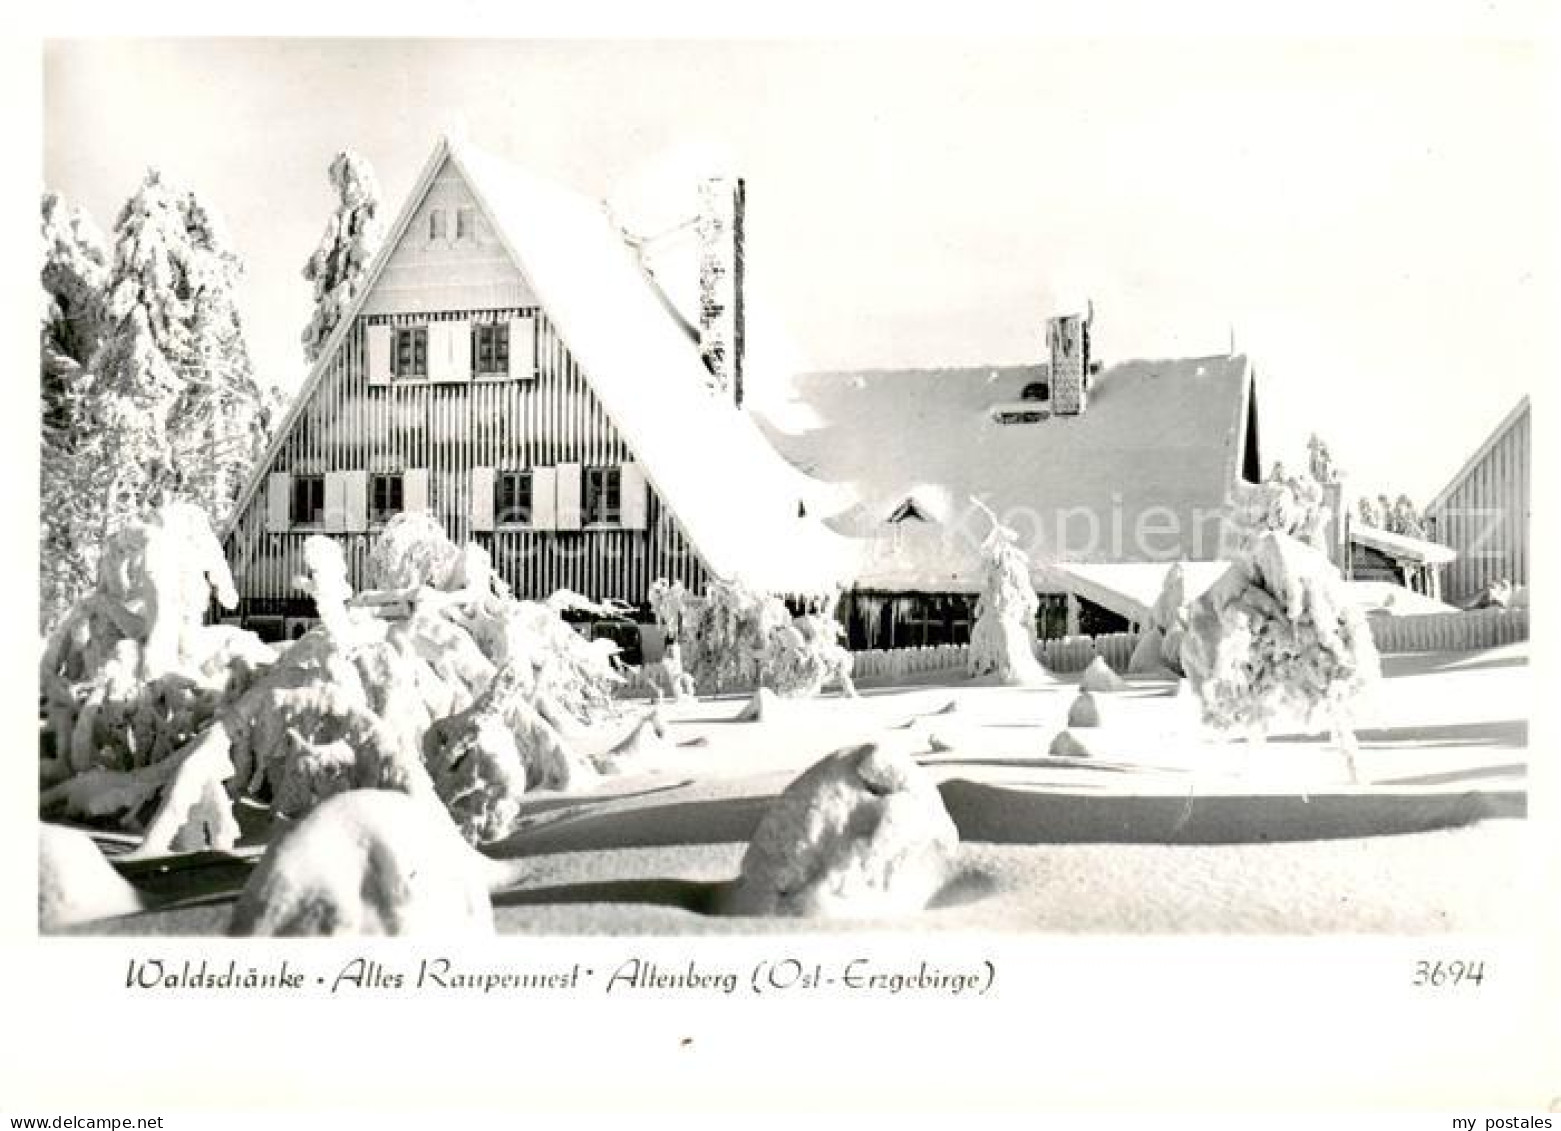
510, 367
1122, 467
514, 365
1483, 512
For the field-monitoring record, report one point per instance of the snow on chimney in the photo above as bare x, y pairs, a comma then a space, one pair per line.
1067, 338
721, 206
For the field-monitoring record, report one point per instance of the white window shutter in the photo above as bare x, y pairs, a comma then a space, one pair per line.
379, 354
438, 351
414, 489
633, 495
335, 502
357, 505
458, 337
544, 498
482, 498
522, 348
279, 502
568, 494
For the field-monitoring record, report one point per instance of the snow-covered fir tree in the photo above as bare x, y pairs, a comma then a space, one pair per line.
1002, 641
75, 267
168, 406
1291, 504
222, 410
352, 238
140, 372
1320, 460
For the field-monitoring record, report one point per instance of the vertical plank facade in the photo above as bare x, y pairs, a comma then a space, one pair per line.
451, 429
1484, 512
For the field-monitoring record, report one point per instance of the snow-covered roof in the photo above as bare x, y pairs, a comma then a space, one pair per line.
1402, 546
1130, 589
1143, 474
736, 498
1518, 412
1395, 600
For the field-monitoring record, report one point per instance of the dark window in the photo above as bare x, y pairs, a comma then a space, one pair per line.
308, 499
1096, 620
1051, 616
410, 357
512, 498
385, 497
490, 347
602, 496
1036, 391
436, 224
465, 223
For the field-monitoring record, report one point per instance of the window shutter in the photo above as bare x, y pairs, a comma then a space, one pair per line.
632, 493
279, 502
357, 502
482, 498
522, 348
568, 494
458, 338
544, 498
438, 351
379, 354
414, 489
335, 502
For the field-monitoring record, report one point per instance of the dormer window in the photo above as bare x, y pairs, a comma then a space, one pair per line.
908, 509
437, 227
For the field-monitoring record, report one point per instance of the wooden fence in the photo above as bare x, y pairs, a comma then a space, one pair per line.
1439, 632
1069, 654
1450, 632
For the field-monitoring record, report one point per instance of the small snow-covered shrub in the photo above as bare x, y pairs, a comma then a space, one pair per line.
476, 766
862, 832
734, 636
158, 723
367, 862
131, 678
76, 883
1278, 635
1002, 641
413, 550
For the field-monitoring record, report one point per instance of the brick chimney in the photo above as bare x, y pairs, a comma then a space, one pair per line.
721, 206
1067, 339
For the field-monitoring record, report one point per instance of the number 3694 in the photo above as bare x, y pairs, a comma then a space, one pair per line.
1428, 973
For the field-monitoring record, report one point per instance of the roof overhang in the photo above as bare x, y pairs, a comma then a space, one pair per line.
1402, 547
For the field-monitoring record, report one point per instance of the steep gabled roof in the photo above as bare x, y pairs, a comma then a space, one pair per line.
1517, 412
1161, 443
735, 497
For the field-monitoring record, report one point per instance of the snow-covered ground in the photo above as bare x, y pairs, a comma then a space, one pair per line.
1158, 830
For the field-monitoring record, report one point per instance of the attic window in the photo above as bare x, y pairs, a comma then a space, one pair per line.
465, 223
437, 226
1037, 391
908, 509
